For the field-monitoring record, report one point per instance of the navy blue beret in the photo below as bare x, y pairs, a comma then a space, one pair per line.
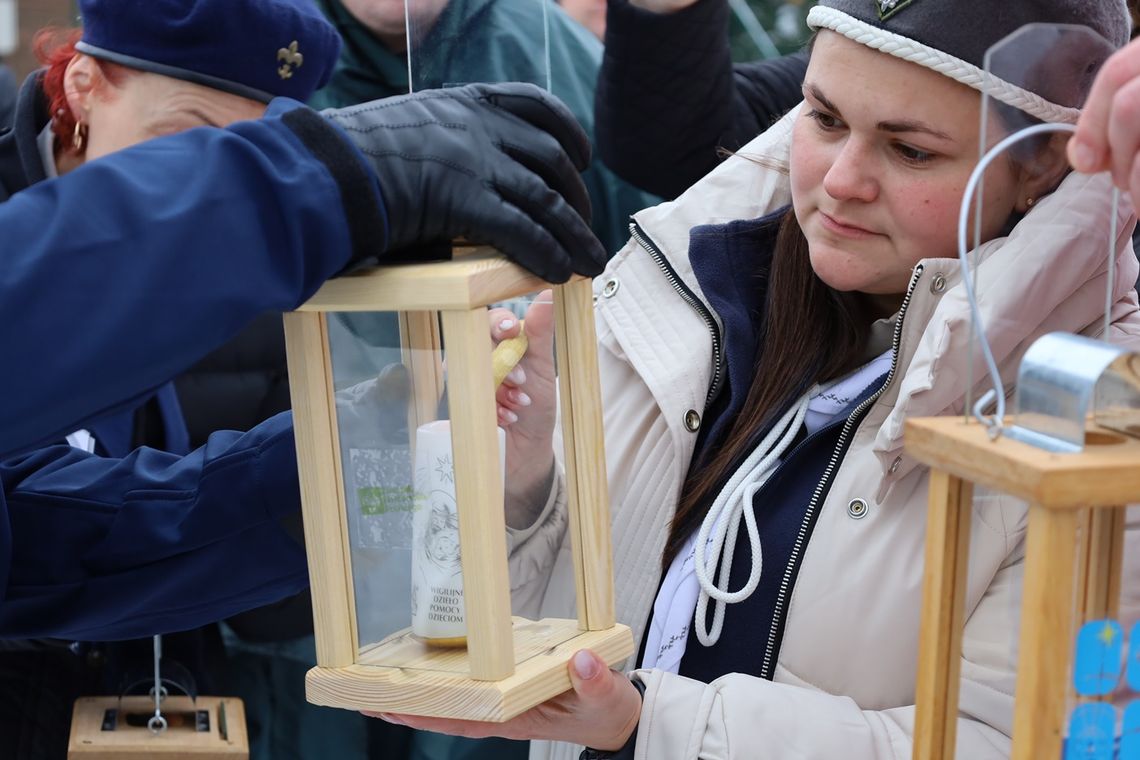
259, 49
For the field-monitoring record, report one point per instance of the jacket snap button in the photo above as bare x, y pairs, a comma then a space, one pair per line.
857, 509
611, 287
895, 466
938, 284
692, 420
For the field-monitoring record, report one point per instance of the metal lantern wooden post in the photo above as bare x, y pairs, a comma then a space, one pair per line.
1076, 519
509, 665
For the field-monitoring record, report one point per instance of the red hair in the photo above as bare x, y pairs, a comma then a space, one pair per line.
55, 49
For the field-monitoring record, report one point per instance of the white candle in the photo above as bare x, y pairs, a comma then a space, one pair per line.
437, 577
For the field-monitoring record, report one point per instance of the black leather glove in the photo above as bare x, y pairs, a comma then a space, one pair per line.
494, 163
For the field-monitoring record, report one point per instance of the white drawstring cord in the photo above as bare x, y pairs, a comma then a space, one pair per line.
734, 501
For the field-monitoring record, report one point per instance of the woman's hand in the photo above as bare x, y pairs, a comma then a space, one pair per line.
526, 409
1108, 134
601, 711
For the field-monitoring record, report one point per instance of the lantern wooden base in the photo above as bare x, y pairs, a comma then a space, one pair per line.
1073, 560
226, 739
432, 685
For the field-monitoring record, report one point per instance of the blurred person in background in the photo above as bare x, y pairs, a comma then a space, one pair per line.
589, 13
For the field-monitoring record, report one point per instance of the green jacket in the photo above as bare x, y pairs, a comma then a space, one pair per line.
490, 41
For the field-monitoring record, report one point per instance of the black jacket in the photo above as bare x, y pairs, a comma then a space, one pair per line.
669, 97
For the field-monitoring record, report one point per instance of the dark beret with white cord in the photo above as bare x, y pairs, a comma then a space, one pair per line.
953, 37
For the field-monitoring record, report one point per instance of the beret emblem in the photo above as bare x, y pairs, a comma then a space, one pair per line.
291, 59
888, 8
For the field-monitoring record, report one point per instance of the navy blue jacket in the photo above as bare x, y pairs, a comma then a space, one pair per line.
158, 419
251, 218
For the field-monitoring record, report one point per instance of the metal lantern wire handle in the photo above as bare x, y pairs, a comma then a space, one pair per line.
996, 394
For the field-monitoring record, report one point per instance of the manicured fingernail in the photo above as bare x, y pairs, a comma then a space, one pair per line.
522, 399
516, 376
1084, 157
507, 324
510, 417
585, 665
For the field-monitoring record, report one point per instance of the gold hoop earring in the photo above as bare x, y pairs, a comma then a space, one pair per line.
79, 138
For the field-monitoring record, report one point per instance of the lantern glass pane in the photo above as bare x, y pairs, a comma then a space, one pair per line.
1103, 684
398, 397
373, 394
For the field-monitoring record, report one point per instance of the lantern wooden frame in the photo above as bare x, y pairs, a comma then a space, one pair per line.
455, 293
91, 740
1076, 519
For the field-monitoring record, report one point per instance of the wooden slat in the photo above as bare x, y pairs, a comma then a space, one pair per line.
322, 488
943, 601
479, 493
89, 742
479, 279
442, 694
1047, 623
421, 348
1105, 473
1102, 562
582, 434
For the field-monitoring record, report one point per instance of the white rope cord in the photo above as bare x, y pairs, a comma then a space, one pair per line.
734, 501
945, 64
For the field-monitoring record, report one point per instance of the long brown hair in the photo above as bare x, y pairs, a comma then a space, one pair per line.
811, 333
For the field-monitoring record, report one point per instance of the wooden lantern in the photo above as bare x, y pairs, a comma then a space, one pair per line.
509, 664
1076, 520
115, 728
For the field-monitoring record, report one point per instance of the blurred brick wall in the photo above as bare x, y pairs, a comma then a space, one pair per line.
34, 15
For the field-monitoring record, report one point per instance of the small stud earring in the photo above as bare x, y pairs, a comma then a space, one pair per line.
1029, 202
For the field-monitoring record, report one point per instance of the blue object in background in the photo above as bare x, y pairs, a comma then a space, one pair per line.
1133, 671
1100, 644
1091, 732
1130, 738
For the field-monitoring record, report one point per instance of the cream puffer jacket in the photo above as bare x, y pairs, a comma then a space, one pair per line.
845, 675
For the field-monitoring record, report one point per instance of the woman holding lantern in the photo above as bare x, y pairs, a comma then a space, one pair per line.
760, 371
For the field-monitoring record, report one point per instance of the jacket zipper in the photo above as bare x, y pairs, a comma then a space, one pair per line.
690, 298
767, 666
